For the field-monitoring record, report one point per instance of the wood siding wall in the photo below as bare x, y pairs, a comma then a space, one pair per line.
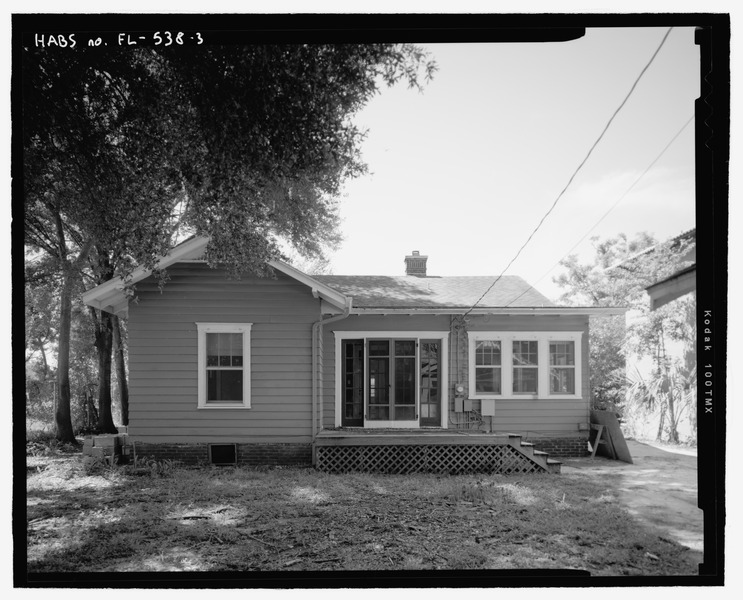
547, 417
163, 350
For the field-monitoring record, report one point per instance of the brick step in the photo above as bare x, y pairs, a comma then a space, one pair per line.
554, 466
109, 447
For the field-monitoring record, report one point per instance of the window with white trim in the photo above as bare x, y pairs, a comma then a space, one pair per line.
562, 367
224, 365
488, 366
525, 366
532, 364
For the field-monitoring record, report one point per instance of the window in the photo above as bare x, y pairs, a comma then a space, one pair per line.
525, 367
487, 366
531, 364
562, 367
224, 365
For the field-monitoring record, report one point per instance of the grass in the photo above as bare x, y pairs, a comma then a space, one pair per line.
86, 517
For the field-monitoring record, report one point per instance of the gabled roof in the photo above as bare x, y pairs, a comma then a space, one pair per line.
372, 294
111, 296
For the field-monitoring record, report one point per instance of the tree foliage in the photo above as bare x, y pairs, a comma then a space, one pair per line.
128, 149
42, 337
620, 272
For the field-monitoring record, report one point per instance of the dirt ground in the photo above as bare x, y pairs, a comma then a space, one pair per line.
84, 516
659, 488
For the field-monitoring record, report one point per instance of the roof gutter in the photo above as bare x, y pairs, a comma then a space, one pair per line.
593, 311
317, 362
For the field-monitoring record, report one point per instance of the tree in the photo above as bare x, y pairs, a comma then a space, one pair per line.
618, 275
42, 329
41, 336
119, 337
40, 319
126, 148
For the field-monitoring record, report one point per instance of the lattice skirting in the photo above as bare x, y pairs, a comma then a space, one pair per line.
402, 459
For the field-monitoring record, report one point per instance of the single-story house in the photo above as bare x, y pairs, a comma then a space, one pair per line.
415, 372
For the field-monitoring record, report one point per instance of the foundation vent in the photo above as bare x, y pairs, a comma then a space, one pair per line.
223, 454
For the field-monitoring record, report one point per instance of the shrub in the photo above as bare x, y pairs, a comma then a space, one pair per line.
43, 443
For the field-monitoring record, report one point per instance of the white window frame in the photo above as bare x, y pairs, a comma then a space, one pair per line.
443, 336
203, 329
543, 339
573, 367
491, 368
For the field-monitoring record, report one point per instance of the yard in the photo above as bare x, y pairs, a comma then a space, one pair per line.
86, 517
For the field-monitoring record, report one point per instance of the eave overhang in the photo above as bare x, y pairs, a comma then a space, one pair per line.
111, 296
537, 311
679, 284
319, 290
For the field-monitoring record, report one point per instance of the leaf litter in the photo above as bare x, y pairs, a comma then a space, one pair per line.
242, 519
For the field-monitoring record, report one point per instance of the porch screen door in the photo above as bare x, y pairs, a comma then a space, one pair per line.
392, 380
430, 388
404, 390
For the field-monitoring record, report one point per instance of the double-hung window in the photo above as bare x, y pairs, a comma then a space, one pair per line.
562, 367
224, 365
525, 366
519, 365
488, 366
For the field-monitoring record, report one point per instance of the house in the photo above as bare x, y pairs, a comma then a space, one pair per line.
683, 281
415, 372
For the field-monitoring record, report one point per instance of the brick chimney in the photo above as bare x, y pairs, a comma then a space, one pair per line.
415, 264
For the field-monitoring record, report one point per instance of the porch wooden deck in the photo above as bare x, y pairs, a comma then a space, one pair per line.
401, 451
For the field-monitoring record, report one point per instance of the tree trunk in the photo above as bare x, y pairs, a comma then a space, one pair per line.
62, 413
661, 422
104, 346
45, 373
69, 270
673, 434
665, 387
121, 370
673, 416
91, 413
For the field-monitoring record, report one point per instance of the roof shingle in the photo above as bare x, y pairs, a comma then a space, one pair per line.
372, 291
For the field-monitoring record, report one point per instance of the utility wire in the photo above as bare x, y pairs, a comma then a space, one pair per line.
606, 214
575, 173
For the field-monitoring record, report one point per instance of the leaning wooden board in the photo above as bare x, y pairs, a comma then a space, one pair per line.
612, 434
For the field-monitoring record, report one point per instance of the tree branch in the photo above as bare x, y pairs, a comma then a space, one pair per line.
84, 251
39, 238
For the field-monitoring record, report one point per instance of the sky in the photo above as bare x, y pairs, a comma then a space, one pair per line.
464, 171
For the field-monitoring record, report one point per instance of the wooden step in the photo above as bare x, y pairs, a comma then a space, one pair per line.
539, 456
528, 448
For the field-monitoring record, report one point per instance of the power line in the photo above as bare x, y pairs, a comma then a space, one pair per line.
613, 206
575, 173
